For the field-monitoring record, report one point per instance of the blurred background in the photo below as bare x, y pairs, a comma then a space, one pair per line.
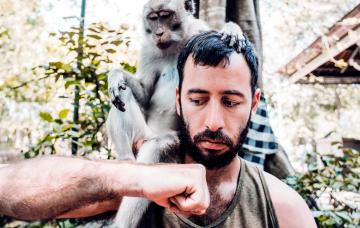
53, 91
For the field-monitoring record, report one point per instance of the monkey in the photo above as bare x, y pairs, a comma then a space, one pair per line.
149, 113
150, 109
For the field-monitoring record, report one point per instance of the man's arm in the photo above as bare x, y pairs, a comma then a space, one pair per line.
291, 210
49, 187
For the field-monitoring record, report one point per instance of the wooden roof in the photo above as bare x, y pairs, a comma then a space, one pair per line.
330, 59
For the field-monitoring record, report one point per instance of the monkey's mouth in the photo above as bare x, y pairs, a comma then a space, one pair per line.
164, 45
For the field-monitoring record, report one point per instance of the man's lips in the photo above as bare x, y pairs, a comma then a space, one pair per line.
213, 144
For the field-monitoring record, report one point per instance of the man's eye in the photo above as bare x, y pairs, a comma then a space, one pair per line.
197, 101
230, 103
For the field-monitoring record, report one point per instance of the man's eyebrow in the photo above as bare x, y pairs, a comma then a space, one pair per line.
191, 91
233, 92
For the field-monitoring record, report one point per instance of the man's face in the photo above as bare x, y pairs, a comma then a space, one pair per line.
215, 107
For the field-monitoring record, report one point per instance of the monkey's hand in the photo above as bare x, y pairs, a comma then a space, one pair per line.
116, 87
233, 34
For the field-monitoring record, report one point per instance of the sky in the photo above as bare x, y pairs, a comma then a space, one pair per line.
112, 12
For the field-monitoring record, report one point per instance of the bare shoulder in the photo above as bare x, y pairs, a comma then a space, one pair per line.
291, 210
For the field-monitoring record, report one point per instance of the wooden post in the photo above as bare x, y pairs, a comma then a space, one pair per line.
80, 52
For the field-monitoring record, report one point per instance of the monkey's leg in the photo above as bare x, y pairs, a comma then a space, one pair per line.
127, 127
160, 149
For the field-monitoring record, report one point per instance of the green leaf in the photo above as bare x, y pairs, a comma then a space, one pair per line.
70, 83
93, 30
55, 64
66, 127
46, 116
63, 113
116, 42
61, 66
111, 51
66, 67
95, 36
128, 67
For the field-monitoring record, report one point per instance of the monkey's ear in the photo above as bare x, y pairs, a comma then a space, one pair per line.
190, 6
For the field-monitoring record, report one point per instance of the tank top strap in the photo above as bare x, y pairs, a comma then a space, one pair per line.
271, 210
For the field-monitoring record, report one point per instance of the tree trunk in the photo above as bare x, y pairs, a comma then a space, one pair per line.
246, 14
197, 8
213, 12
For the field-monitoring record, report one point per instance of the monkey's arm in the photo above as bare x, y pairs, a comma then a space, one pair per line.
48, 187
120, 80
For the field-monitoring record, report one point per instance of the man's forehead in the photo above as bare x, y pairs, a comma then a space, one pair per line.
235, 67
235, 60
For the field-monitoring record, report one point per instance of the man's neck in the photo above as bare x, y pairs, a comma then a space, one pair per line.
222, 183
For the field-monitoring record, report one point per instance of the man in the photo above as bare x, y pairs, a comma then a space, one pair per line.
215, 98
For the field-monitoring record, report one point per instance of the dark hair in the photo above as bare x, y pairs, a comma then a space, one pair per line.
208, 49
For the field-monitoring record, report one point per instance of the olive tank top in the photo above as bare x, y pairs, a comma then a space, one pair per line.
250, 207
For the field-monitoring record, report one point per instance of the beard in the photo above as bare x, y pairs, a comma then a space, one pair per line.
211, 160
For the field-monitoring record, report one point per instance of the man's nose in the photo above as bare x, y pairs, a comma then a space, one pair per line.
214, 117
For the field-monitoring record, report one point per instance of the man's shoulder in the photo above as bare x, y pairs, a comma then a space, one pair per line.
291, 210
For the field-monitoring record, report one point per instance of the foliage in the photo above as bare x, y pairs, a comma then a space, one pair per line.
328, 176
89, 75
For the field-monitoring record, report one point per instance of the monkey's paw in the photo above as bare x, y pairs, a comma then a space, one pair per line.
233, 33
116, 88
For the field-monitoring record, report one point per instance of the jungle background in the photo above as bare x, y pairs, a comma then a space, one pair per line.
53, 92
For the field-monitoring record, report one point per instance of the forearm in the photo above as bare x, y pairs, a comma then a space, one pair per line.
47, 187
92, 209
140, 92
51, 187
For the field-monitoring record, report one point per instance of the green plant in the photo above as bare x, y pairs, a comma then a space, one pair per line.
327, 177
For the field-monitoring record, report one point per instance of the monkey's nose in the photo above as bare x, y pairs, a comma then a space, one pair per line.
159, 34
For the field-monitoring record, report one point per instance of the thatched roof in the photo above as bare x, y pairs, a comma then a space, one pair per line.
330, 59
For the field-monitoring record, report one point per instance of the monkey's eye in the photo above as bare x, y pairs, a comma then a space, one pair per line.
176, 26
164, 14
148, 31
153, 16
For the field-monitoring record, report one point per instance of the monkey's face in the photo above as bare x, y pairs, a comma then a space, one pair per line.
164, 28
215, 106
165, 23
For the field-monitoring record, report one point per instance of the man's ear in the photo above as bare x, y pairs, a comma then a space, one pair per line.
177, 100
256, 100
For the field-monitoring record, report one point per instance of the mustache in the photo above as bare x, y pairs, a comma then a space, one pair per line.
213, 135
